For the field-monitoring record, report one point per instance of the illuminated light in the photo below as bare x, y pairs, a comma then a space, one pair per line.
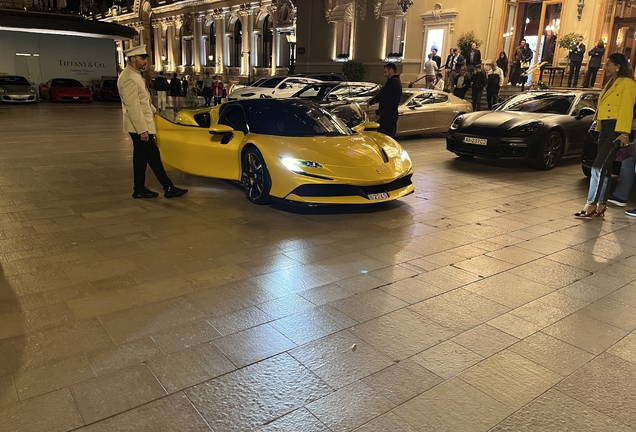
527, 20
36, 55
393, 60
23, 54
341, 60
60, 32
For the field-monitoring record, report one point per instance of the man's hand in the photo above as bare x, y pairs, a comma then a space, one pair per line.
144, 136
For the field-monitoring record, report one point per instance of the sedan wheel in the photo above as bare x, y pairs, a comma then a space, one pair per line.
551, 151
255, 177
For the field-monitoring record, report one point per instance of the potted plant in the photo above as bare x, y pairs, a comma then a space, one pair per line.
466, 41
568, 40
353, 70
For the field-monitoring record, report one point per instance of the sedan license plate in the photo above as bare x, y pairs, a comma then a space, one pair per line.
75, 97
478, 141
378, 196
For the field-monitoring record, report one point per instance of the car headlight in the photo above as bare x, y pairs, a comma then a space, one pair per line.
528, 128
2, 90
32, 90
297, 165
455, 124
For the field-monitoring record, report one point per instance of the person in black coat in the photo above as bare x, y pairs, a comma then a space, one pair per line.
437, 59
389, 99
462, 83
473, 58
175, 86
596, 56
478, 82
577, 51
502, 63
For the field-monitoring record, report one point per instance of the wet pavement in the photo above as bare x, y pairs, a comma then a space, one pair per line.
478, 303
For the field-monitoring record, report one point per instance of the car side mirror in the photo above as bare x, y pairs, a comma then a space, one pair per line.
220, 129
585, 112
371, 126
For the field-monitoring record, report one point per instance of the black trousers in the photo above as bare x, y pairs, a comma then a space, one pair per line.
147, 153
217, 100
604, 162
476, 95
492, 95
388, 125
590, 77
575, 69
207, 95
515, 73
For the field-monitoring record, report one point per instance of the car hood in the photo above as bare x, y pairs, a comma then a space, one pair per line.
503, 119
344, 156
16, 88
243, 92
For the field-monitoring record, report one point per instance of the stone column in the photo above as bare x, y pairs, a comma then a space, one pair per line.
156, 27
170, 44
197, 43
178, 45
275, 44
221, 40
247, 25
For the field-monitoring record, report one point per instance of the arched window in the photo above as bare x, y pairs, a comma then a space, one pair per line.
238, 44
212, 51
268, 37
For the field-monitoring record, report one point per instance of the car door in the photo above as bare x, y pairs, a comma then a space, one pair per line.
419, 115
192, 149
577, 125
445, 111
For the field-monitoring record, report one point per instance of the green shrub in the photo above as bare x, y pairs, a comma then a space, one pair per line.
466, 40
353, 70
568, 40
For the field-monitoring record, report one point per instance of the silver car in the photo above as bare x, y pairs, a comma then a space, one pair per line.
17, 89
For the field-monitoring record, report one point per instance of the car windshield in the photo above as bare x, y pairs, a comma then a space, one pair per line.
60, 82
110, 83
13, 80
294, 119
539, 103
314, 91
272, 82
258, 83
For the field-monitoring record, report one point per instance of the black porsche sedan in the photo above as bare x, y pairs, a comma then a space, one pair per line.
538, 126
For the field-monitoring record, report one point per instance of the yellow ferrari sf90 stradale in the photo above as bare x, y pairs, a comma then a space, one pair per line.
288, 151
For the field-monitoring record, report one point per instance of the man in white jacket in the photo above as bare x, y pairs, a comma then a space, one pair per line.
139, 123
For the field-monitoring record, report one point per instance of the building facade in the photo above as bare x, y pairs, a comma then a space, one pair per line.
238, 40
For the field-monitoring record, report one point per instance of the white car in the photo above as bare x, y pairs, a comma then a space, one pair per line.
277, 87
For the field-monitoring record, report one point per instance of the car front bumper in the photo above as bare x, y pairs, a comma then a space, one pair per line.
505, 147
18, 97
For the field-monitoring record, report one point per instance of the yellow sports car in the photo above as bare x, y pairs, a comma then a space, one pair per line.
287, 150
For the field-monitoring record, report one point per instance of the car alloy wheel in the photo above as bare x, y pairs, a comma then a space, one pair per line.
255, 177
551, 151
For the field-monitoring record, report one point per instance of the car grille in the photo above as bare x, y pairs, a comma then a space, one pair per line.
350, 190
502, 150
9, 98
75, 98
485, 132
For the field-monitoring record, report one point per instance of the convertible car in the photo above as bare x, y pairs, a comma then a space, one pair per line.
290, 151
65, 90
537, 126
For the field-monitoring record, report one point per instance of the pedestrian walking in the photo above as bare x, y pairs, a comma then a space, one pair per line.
462, 83
207, 89
175, 89
495, 81
139, 122
520, 62
577, 51
614, 115
596, 56
430, 68
218, 90
389, 99
161, 87
192, 96
184, 85
478, 82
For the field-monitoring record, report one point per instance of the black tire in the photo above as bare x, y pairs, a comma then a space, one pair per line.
551, 151
465, 156
255, 176
587, 171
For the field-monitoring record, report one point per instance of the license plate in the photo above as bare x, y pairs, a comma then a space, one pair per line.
478, 141
378, 196
75, 97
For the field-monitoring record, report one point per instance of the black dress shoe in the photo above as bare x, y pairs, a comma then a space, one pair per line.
145, 193
173, 192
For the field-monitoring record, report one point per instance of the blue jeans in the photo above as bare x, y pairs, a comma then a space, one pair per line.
625, 179
602, 166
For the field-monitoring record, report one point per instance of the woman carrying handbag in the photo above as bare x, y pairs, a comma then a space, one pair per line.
613, 122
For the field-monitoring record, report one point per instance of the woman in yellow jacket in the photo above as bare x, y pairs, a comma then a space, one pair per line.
614, 122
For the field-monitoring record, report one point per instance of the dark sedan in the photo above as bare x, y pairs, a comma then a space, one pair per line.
537, 126
106, 90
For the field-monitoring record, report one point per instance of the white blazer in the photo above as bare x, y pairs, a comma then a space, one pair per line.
136, 103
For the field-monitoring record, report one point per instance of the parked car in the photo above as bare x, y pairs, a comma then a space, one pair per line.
277, 87
65, 90
335, 93
425, 111
537, 126
17, 89
323, 76
106, 89
590, 149
286, 150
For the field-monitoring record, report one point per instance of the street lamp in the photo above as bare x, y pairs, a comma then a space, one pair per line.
211, 59
291, 39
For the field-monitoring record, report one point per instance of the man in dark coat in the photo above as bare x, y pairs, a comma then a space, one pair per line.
577, 51
478, 82
437, 59
596, 56
389, 99
473, 58
462, 83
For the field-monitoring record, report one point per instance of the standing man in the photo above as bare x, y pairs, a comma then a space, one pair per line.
448, 69
495, 81
217, 90
207, 89
436, 58
478, 82
430, 68
462, 83
389, 99
596, 55
577, 51
473, 59
139, 123
161, 87
515, 72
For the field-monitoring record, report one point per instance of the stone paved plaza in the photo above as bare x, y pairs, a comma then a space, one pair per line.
478, 303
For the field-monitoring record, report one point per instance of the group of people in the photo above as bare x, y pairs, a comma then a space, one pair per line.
577, 51
212, 88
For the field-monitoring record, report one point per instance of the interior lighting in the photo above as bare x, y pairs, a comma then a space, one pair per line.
23, 54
